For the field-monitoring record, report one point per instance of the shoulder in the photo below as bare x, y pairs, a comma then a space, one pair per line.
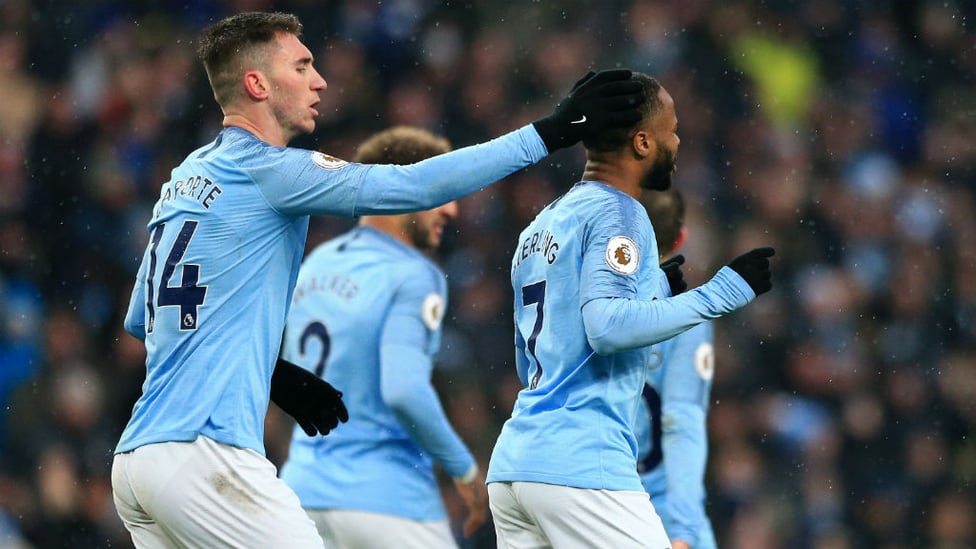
421, 275
422, 287
253, 154
610, 206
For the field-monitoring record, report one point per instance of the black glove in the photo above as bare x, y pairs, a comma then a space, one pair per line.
598, 101
753, 267
676, 278
315, 404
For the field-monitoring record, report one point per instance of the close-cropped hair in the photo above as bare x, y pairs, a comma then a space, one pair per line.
400, 145
667, 212
614, 139
238, 43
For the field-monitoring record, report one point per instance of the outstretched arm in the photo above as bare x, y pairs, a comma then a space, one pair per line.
306, 183
618, 324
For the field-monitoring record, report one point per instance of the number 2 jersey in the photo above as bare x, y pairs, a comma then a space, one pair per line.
366, 316
226, 240
591, 255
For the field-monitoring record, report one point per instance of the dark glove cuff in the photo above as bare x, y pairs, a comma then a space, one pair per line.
285, 377
553, 136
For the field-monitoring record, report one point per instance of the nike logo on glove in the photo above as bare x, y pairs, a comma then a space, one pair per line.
580, 121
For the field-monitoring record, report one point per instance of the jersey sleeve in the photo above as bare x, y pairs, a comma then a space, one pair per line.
614, 325
135, 315
303, 182
616, 238
407, 347
686, 387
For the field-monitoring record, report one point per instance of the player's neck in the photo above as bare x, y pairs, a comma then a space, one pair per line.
391, 225
614, 174
262, 129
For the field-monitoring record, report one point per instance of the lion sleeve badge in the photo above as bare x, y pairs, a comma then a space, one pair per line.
432, 311
622, 255
328, 162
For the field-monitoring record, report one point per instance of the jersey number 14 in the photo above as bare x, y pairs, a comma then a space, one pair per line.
188, 296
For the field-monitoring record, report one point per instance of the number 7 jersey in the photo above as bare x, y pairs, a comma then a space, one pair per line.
572, 422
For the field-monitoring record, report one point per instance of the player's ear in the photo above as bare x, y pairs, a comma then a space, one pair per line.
256, 85
643, 145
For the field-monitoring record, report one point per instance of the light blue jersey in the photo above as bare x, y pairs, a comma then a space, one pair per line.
588, 304
225, 242
571, 423
366, 316
672, 435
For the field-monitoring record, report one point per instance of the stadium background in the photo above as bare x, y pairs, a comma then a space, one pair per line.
841, 132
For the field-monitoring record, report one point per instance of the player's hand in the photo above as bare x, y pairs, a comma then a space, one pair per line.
598, 101
315, 404
753, 267
679, 544
475, 496
676, 278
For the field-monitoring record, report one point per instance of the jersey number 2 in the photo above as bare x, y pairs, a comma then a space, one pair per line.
188, 296
316, 329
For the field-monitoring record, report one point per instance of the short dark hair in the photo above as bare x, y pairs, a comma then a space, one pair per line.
614, 139
227, 45
667, 212
400, 145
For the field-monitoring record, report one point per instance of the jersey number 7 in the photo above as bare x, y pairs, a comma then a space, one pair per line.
535, 294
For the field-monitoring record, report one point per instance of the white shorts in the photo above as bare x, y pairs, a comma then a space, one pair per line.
364, 530
537, 515
207, 494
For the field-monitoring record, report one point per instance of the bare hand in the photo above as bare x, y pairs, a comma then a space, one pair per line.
678, 544
475, 496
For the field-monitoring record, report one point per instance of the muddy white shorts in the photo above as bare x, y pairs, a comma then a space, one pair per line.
207, 494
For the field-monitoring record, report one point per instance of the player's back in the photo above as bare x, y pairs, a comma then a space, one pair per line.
210, 299
344, 292
571, 424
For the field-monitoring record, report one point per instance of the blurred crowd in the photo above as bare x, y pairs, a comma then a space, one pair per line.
842, 132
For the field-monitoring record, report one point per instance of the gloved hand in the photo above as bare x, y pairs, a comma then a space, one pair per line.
676, 278
315, 404
598, 101
753, 267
